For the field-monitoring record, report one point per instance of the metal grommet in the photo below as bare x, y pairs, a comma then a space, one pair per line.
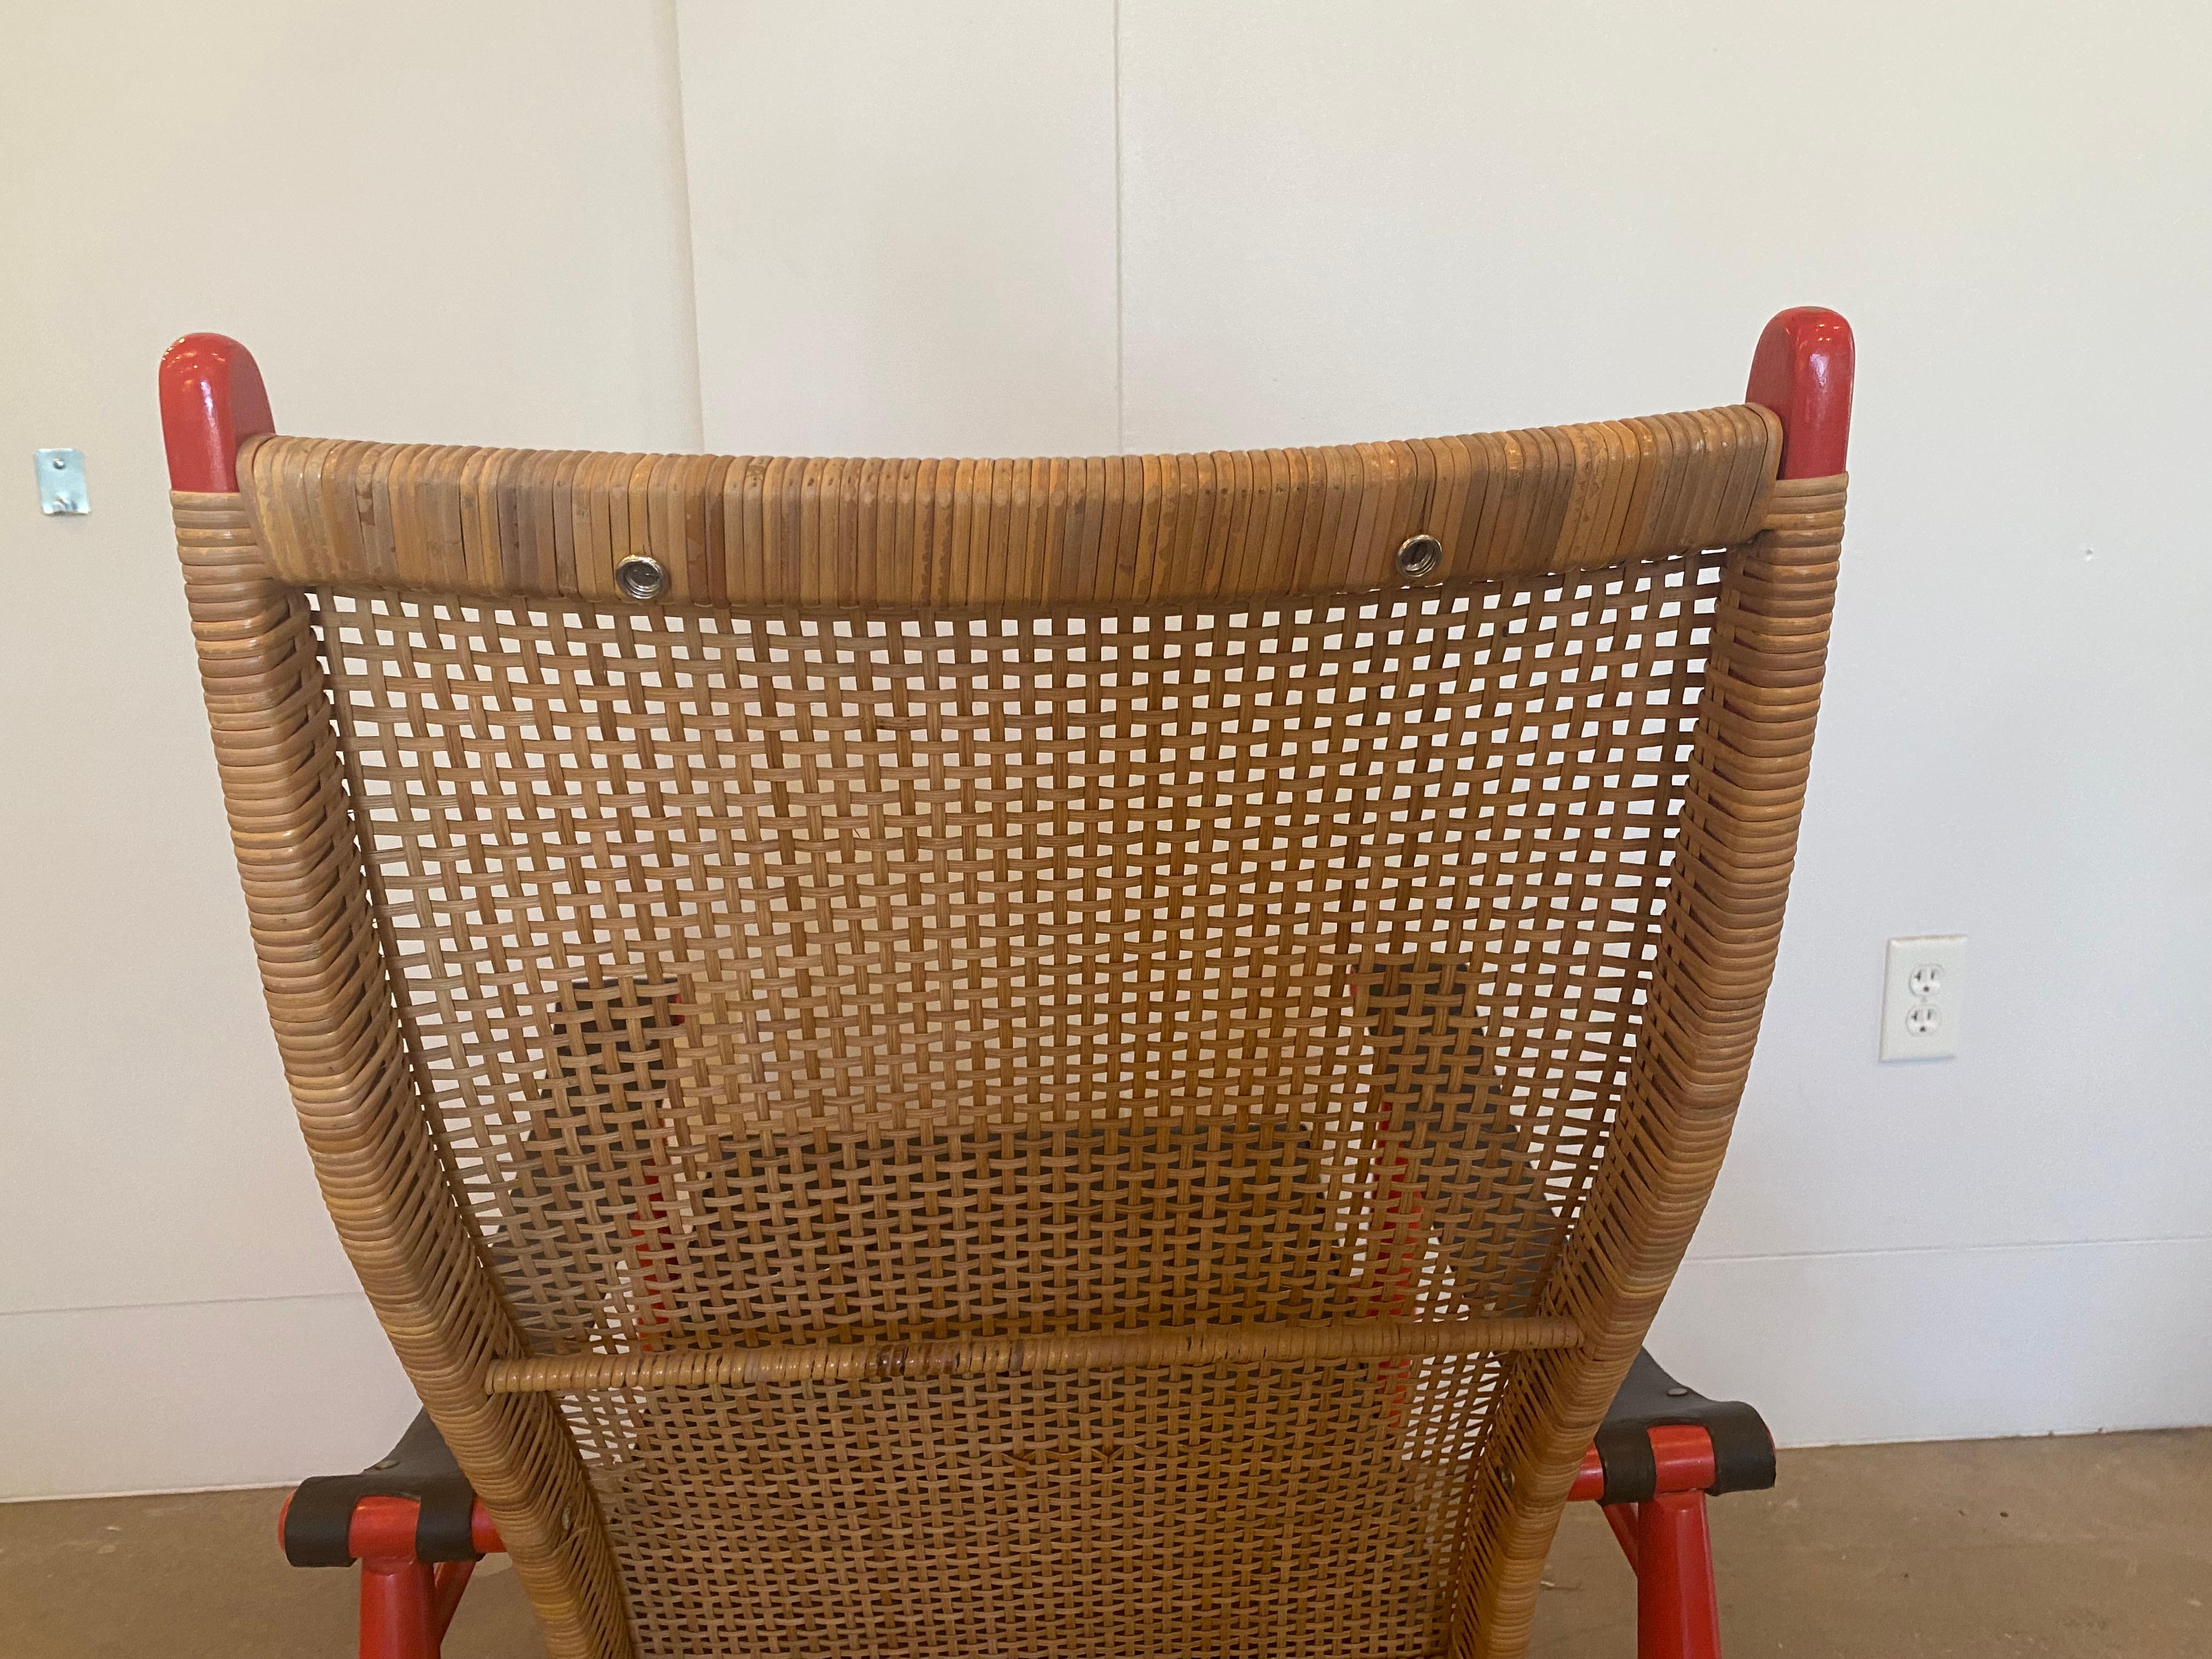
1419, 555
641, 577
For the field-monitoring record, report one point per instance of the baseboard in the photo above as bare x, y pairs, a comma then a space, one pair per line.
1980, 1343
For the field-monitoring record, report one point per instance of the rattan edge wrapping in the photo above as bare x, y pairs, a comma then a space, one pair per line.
374, 1154
1060, 532
1722, 925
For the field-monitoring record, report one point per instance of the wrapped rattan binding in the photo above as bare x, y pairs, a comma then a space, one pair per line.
1012, 1356
1082, 531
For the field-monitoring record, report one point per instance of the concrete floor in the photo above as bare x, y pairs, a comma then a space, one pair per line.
2077, 1549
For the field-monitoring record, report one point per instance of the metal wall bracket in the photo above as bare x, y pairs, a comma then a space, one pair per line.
61, 481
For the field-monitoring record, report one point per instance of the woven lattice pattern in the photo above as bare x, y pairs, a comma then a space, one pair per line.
1237, 1509
781, 973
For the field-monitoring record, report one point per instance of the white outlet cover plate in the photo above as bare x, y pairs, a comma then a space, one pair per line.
1923, 996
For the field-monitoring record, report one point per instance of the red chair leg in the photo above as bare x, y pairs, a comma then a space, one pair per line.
1668, 1544
384, 1518
453, 1578
398, 1598
1677, 1611
406, 1605
1621, 1517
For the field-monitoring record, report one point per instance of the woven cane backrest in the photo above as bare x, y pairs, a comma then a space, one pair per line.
980, 912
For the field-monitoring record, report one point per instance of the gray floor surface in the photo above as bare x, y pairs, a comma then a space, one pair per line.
2079, 1547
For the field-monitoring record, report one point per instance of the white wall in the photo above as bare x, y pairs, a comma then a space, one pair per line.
904, 226
1010, 227
435, 220
1338, 223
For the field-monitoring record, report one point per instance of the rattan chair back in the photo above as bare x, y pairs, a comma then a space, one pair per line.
1007, 1058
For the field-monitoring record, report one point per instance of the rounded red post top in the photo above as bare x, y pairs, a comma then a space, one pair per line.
212, 400
1802, 372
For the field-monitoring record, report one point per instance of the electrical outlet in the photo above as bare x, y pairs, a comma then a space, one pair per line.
1922, 994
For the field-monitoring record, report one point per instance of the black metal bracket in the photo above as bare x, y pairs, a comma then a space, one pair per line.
1743, 1450
319, 1522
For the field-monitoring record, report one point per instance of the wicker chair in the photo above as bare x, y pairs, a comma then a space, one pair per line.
1016, 1058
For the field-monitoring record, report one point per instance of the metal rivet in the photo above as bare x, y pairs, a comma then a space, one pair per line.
388, 1463
1677, 1392
1419, 555
641, 577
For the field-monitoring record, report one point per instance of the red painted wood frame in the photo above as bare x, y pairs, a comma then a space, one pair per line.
406, 1604
1668, 1546
1802, 371
212, 399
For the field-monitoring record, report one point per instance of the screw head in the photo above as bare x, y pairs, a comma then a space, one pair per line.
1419, 555
641, 577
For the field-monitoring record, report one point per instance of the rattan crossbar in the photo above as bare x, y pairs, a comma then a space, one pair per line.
1113, 529
1012, 1355
1304, 988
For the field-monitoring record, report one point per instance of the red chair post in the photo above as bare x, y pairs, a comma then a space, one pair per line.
1802, 370
212, 400
395, 1610
406, 1605
1667, 1544
1678, 1613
